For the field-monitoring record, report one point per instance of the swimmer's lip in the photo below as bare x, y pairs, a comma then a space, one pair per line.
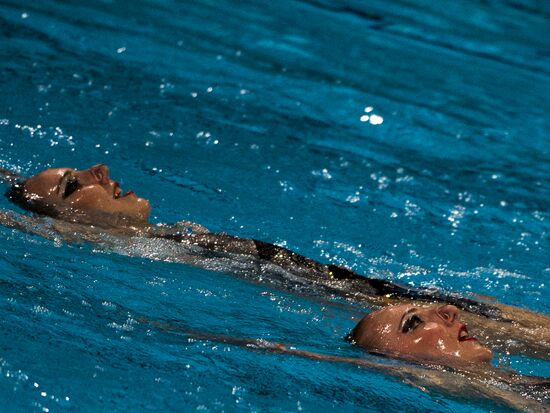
463, 334
116, 190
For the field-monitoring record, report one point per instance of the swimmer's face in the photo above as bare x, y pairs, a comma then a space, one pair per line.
90, 191
431, 333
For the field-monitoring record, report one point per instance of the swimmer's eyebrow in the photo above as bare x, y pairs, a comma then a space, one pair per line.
409, 311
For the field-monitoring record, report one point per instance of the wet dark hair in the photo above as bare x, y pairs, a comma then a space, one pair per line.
16, 193
19, 196
350, 337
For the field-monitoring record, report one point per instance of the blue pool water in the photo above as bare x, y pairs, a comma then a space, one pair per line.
406, 140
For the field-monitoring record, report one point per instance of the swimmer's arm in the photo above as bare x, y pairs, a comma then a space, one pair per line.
52, 229
23, 223
192, 226
180, 228
7, 220
265, 345
423, 378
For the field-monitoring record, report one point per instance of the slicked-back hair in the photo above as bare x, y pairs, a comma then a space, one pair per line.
19, 196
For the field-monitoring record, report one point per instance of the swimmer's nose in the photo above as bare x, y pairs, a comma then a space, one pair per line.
449, 313
100, 173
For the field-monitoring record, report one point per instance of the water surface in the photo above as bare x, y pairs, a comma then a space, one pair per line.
406, 140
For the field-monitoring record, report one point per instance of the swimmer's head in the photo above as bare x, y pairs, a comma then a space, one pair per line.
430, 333
88, 196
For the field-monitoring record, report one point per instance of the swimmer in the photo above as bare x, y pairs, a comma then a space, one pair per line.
435, 335
429, 334
87, 196
91, 197
89, 206
438, 351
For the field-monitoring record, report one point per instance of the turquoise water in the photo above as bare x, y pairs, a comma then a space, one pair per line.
251, 118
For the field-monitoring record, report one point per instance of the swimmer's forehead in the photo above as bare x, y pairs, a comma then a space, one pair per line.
402, 308
393, 310
392, 315
51, 174
46, 180
54, 172
375, 328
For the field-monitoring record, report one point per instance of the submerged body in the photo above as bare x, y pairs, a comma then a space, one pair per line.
87, 206
91, 197
470, 375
